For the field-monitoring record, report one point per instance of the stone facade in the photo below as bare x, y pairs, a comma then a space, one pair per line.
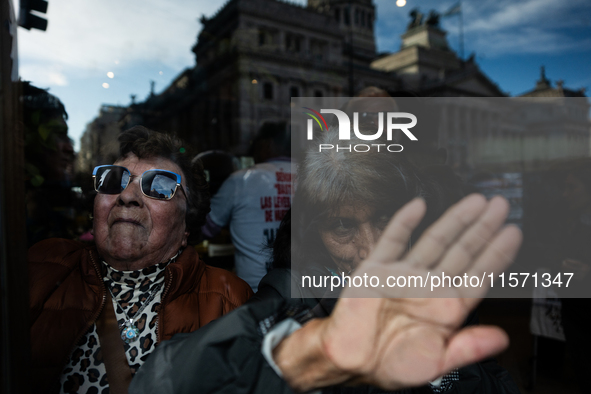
426, 64
568, 111
252, 56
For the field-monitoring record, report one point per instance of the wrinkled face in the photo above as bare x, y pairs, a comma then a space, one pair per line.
576, 195
351, 233
133, 231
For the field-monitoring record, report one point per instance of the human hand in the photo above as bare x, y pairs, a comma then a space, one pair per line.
375, 336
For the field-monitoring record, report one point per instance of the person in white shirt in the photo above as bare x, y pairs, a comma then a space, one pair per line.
253, 202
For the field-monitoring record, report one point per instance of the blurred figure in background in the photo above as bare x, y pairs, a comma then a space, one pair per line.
253, 202
218, 166
49, 159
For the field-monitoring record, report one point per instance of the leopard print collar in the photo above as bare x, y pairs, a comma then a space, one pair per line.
139, 278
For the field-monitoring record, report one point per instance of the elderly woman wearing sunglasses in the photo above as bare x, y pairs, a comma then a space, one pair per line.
98, 312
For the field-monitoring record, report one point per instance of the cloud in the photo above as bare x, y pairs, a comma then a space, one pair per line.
87, 37
507, 14
44, 75
529, 40
524, 27
499, 27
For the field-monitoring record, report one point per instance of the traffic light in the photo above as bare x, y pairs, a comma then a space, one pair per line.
29, 20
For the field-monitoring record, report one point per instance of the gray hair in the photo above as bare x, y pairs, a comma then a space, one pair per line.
382, 181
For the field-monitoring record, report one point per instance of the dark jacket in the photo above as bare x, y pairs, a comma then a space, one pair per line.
67, 294
227, 354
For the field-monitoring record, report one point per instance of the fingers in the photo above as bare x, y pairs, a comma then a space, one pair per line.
474, 344
437, 239
394, 240
472, 242
467, 239
494, 259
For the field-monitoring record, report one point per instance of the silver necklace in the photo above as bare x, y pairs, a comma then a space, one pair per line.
129, 330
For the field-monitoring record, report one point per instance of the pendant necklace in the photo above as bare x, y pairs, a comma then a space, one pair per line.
129, 330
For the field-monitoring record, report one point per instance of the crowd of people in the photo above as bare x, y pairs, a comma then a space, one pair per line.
137, 310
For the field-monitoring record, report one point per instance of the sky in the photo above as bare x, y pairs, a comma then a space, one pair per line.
101, 52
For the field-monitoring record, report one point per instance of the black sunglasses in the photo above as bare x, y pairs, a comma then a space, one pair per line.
156, 184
